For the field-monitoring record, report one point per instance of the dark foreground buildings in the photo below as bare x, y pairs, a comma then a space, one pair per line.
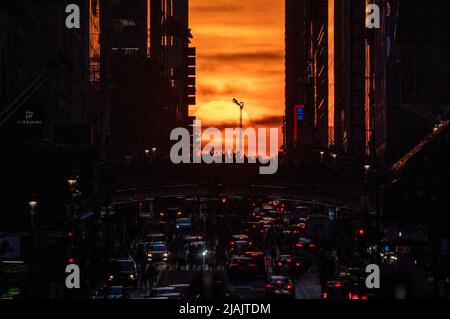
375, 102
365, 92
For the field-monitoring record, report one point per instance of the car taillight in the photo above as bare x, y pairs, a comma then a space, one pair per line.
338, 284
250, 243
71, 260
364, 298
296, 232
279, 282
289, 287
312, 245
269, 286
232, 243
325, 295
280, 264
297, 264
353, 297
299, 245
289, 260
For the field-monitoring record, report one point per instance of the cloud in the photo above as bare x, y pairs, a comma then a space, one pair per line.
227, 90
252, 57
221, 8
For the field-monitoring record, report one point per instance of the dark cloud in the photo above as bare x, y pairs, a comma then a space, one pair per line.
211, 90
215, 8
267, 122
262, 56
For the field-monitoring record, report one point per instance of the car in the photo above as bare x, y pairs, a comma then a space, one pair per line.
122, 272
156, 238
183, 224
333, 290
287, 264
157, 252
280, 287
299, 229
239, 244
238, 267
171, 214
111, 293
354, 278
165, 293
305, 246
342, 289
258, 263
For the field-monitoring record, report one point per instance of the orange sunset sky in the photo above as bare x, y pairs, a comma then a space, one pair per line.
240, 53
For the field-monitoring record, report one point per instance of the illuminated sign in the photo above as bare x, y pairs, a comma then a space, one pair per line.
29, 119
299, 116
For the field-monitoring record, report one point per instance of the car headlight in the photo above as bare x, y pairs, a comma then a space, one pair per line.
111, 277
149, 255
165, 254
131, 276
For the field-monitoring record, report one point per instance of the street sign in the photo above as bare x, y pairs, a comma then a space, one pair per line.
10, 247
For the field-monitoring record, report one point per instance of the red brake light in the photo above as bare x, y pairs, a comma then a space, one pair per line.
71, 234
280, 264
312, 245
361, 232
355, 297
289, 286
289, 260
232, 243
279, 282
269, 286
299, 245
250, 243
297, 264
71, 260
338, 284
364, 298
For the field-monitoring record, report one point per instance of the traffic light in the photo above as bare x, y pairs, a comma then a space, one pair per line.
361, 232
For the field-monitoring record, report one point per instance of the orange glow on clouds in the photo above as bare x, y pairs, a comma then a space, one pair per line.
240, 54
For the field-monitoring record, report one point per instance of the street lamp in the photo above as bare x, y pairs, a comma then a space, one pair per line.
241, 108
154, 149
322, 153
72, 181
32, 204
147, 152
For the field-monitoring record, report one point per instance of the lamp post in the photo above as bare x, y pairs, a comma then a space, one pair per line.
241, 108
366, 172
32, 204
322, 153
